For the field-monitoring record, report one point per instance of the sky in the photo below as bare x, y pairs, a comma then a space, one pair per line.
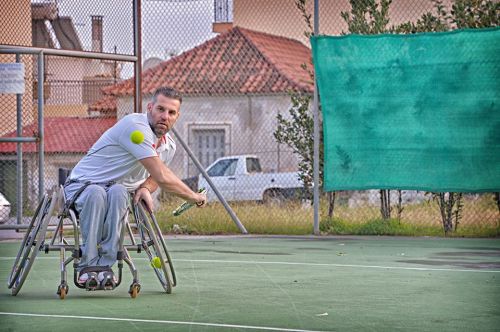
168, 26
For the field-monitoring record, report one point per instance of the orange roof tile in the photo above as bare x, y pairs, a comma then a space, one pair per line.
106, 104
239, 61
63, 135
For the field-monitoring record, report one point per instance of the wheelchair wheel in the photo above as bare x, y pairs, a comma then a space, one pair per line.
32, 243
154, 245
62, 291
135, 288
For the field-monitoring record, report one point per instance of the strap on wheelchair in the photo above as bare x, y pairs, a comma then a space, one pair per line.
71, 204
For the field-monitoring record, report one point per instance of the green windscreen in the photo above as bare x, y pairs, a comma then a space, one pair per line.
414, 112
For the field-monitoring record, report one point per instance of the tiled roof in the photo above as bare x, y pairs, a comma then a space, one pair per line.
239, 61
63, 135
105, 105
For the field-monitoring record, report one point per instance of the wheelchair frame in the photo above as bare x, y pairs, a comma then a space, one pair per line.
150, 240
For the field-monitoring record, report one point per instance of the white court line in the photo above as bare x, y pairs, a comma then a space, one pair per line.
307, 264
337, 265
248, 327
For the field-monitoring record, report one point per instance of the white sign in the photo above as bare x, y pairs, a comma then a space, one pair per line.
12, 78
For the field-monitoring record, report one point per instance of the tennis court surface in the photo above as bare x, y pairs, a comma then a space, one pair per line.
247, 283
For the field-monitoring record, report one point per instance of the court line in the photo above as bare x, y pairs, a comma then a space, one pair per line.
173, 322
338, 265
307, 264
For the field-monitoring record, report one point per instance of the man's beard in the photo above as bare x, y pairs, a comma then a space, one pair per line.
160, 131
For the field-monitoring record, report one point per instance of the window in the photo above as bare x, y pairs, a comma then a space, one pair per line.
209, 144
253, 165
226, 167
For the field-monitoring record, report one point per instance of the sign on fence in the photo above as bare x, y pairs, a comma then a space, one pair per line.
12, 78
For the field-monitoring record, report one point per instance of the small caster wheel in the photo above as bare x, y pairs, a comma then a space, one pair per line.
135, 288
62, 291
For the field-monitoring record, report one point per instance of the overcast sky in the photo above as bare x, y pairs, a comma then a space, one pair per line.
168, 26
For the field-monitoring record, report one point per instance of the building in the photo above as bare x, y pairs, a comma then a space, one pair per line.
70, 86
234, 86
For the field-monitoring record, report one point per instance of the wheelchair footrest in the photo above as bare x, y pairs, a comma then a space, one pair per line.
99, 278
92, 282
108, 282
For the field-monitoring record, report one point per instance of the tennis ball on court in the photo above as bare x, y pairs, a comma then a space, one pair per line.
137, 137
156, 262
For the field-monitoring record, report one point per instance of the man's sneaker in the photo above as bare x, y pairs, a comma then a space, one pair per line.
82, 279
107, 280
89, 280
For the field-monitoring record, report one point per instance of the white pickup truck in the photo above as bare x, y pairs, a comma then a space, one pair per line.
240, 178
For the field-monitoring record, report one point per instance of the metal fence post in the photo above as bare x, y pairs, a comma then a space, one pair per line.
316, 134
41, 147
19, 148
138, 54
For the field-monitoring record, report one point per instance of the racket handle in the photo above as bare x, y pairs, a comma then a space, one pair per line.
186, 206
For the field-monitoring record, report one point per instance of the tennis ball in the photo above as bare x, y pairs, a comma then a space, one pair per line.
137, 137
156, 262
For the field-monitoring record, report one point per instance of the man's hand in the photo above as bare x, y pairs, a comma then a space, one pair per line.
145, 195
169, 182
201, 199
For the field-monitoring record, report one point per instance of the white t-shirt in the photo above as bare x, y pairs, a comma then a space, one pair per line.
114, 157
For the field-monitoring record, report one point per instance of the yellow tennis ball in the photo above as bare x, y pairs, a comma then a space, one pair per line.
137, 137
156, 262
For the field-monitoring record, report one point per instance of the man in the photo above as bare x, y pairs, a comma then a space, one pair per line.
116, 165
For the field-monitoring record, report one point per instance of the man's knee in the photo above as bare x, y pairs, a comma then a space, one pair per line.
95, 194
118, 194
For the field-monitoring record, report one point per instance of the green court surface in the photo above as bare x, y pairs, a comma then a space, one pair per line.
249, 283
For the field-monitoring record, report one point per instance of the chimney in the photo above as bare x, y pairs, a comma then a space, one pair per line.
96, 33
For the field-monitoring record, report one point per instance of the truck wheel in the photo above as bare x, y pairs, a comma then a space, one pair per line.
273, 196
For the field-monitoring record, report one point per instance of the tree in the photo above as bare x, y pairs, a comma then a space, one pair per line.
298, 131
367, 17
464, 14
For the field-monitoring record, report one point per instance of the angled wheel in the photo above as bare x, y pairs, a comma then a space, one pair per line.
273, 197
155, 247
134, 290
62, 291
32, 243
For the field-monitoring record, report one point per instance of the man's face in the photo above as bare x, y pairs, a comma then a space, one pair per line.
163, 114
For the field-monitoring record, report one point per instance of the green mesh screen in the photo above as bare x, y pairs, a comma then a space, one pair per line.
411, 111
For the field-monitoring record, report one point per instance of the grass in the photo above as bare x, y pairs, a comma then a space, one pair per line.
481, 218
396, 227
291, 218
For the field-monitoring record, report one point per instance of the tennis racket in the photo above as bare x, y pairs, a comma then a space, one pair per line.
186, 206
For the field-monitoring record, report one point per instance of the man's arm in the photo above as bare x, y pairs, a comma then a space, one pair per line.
169, 182
144, 192
149, 184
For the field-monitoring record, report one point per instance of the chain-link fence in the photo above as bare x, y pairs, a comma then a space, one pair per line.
239, 65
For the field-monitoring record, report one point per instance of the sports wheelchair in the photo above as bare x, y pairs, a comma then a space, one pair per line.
147, 238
